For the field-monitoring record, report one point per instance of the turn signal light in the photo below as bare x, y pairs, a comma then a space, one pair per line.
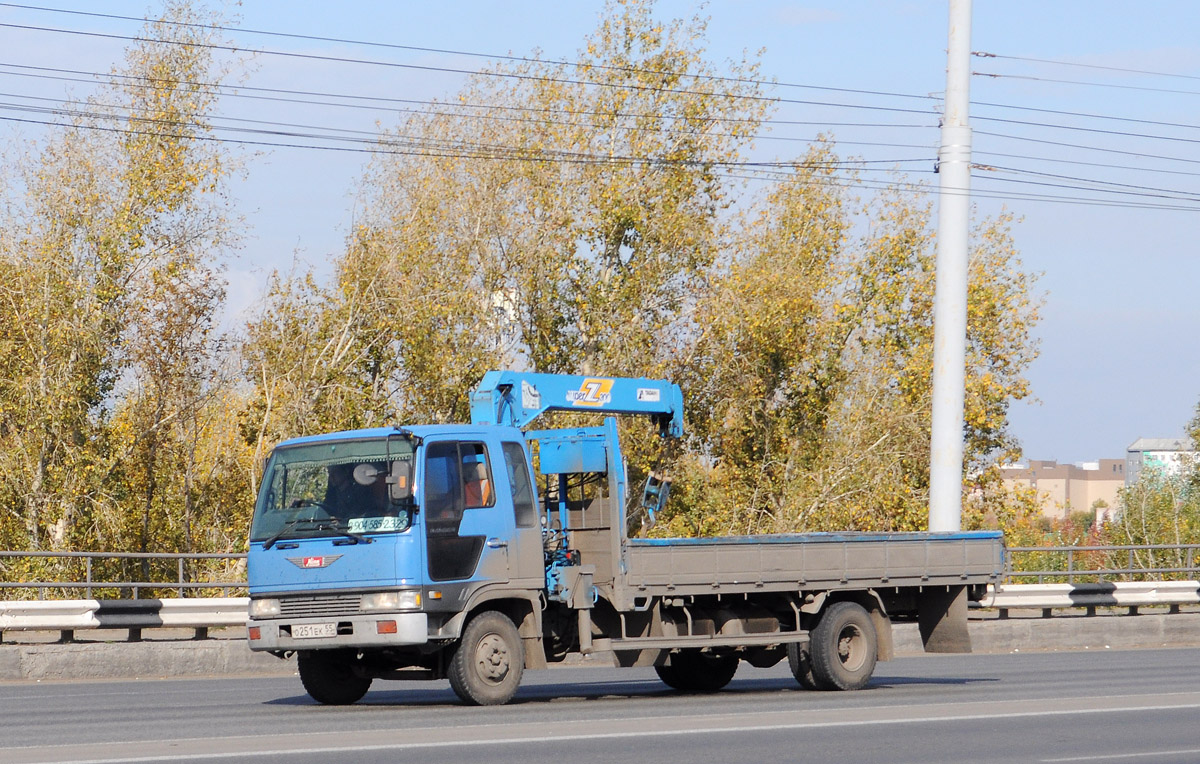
385, 627
255, 632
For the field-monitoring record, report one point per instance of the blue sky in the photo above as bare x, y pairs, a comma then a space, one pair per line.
1121, 333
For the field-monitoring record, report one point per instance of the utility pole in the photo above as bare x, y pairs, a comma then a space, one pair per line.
950, 299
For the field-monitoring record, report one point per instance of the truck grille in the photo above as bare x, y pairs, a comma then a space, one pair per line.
319, 605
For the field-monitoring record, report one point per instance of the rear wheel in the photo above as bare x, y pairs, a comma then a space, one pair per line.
331, 679
487, 665
800, 662
694, 671
843, 647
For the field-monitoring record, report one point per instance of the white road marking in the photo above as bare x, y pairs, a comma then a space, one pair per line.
1119, 756
136, 752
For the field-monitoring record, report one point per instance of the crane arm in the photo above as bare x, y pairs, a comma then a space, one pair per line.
517, 398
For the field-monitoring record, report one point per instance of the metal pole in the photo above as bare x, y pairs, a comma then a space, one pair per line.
950, 299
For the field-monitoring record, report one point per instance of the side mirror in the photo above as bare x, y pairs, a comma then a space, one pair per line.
399, 481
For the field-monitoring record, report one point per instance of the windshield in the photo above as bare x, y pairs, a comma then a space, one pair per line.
335, 488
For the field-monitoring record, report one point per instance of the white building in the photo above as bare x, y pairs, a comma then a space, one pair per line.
1170, 456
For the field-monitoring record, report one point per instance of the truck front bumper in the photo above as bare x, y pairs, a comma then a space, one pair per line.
375, 630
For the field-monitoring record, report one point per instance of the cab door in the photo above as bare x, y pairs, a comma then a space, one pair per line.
467, 534
526, 555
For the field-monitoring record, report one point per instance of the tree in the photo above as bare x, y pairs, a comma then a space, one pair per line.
1161, 509
112, 298
571, 240
810, 378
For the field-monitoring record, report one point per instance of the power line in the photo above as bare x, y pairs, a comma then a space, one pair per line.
471, 72
1106, 165
473, 54
1141, 190
1101, 131
499, 118
412, 146
780, 171
1112, 85
774, 176
1087, 115
1088, 148
981, 54
228, 91
373, 134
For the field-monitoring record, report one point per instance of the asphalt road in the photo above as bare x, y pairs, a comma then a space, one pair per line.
1097, 706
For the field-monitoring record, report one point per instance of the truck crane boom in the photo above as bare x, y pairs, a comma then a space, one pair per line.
517, 398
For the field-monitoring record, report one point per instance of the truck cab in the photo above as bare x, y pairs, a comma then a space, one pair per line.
384, 539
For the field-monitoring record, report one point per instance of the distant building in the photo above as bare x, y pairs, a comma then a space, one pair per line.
1166, 455
1066, 488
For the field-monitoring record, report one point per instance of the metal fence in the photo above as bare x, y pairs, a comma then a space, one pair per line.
119, 575
1098, 564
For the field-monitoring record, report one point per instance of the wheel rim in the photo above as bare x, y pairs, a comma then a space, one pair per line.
491, 658
852, 647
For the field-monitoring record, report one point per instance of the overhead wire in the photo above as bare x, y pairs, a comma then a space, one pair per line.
1058, 62
1085, 147
758, 166
474, 54
777, 170
1081, 163
412, 146
1113, 85
471, 72
375, 134
1124, 188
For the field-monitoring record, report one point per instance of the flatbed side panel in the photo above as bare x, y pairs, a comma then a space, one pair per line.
812, 561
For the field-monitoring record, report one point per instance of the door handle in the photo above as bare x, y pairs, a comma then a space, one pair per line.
497, 543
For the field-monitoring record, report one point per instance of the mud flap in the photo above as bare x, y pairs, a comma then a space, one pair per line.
942, 620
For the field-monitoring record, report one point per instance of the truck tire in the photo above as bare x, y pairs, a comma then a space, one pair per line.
800, 662
843, 647
488, 661
694, 671
331, 679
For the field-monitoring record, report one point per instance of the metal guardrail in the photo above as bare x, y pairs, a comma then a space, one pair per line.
202, 614
69, 616
115, 571
1077, 564
1110, 594
1136, 585
84, 573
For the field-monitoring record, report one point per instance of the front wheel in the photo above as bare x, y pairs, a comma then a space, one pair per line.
843, 647
331, 680
488, 662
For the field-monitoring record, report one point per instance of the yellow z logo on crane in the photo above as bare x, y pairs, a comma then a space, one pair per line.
593, 392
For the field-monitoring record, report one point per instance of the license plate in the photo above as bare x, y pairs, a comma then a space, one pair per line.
313, 630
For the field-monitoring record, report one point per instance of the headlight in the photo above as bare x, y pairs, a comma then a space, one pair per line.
264, 608
405, 600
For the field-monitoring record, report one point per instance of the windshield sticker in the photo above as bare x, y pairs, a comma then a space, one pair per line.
375, 524
593, 392
648, 395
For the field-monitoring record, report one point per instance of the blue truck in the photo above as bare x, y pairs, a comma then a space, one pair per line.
439, 552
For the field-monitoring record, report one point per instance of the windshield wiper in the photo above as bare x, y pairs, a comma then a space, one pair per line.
337, 528
270, 542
